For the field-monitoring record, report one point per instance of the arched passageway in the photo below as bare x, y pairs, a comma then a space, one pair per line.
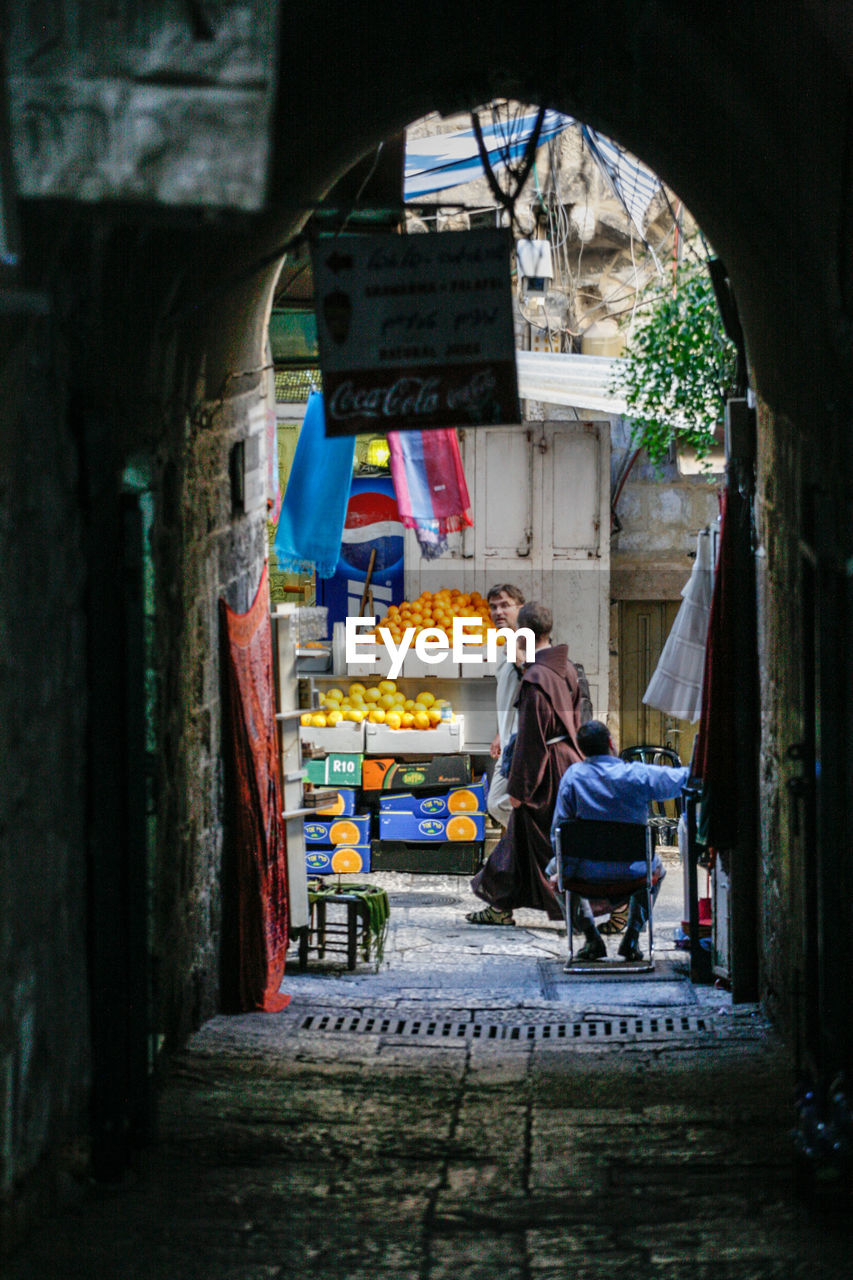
151, 356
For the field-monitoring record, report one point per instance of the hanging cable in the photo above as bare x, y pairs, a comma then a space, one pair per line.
507, 199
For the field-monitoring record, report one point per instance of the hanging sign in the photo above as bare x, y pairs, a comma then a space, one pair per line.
415, 331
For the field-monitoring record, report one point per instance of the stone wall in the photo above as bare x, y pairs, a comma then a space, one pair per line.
86, 404
159, 106
660, 512
206, 551
779, 645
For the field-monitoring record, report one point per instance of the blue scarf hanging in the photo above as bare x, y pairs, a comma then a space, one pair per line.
312, 517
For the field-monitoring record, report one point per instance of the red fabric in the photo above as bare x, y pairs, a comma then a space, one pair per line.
446, 479
260, 879
716, 760
429, 481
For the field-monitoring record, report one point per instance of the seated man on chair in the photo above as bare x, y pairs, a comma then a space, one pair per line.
604, 788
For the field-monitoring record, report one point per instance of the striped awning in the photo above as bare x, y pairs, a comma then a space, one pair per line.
633, 185
446, 160
451, 159
582, 382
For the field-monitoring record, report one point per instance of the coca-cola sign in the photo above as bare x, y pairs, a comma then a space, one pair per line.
415, 331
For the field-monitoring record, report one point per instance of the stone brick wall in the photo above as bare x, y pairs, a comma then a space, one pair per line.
779, 642
660, 513
206, 550
132, 114
94, 382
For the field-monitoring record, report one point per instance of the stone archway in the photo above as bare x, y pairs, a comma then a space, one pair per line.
684, 96
722, 107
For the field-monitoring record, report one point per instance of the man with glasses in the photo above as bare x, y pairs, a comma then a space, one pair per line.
504, 602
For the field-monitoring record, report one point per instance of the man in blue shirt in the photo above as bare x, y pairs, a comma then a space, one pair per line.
604, 788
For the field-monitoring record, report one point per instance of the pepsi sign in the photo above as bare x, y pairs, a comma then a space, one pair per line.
372, 523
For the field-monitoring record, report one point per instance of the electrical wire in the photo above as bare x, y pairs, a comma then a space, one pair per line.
568, 273
630, 325
519, 175
687, 243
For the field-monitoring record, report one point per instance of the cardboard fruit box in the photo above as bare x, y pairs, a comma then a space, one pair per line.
334, 831
377, 670
345, 859
415, 668
471, 799
389, 774
336, 767
342, 805
412, 827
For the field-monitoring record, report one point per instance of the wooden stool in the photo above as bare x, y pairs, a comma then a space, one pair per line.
336, 935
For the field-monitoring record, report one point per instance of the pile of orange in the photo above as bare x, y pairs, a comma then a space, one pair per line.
435, 611
382, 703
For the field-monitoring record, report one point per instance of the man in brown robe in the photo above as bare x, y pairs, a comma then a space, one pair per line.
545, 745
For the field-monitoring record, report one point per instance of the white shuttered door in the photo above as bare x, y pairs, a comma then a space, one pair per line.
541, 499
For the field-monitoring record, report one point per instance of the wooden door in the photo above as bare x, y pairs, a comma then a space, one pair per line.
644, 627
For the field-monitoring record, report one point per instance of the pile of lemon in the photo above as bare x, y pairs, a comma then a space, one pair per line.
382, 703
435, 611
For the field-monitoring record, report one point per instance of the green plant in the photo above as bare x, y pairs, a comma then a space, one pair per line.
678, 369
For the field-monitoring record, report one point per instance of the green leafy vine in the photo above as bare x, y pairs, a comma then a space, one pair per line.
678, 369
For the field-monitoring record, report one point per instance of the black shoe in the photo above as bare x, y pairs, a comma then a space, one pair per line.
595, 949
628, 948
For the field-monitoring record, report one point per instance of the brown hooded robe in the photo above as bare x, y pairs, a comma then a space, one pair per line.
548, 707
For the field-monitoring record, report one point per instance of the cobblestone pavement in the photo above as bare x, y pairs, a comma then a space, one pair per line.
467, 1112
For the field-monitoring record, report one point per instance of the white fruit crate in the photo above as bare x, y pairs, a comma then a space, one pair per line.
445, 739
373, 670
473, 670
346, 736
415, 668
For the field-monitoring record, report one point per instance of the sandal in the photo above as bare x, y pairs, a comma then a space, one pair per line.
489, 915
616, 923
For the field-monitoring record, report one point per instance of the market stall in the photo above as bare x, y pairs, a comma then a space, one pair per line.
408, 798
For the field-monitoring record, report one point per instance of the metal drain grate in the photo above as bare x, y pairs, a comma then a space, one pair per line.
423, 900
586, 1030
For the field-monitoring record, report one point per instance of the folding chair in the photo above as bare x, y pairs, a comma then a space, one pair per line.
597, 859
665, 827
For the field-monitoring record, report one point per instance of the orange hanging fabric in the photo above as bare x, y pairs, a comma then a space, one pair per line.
255, 894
